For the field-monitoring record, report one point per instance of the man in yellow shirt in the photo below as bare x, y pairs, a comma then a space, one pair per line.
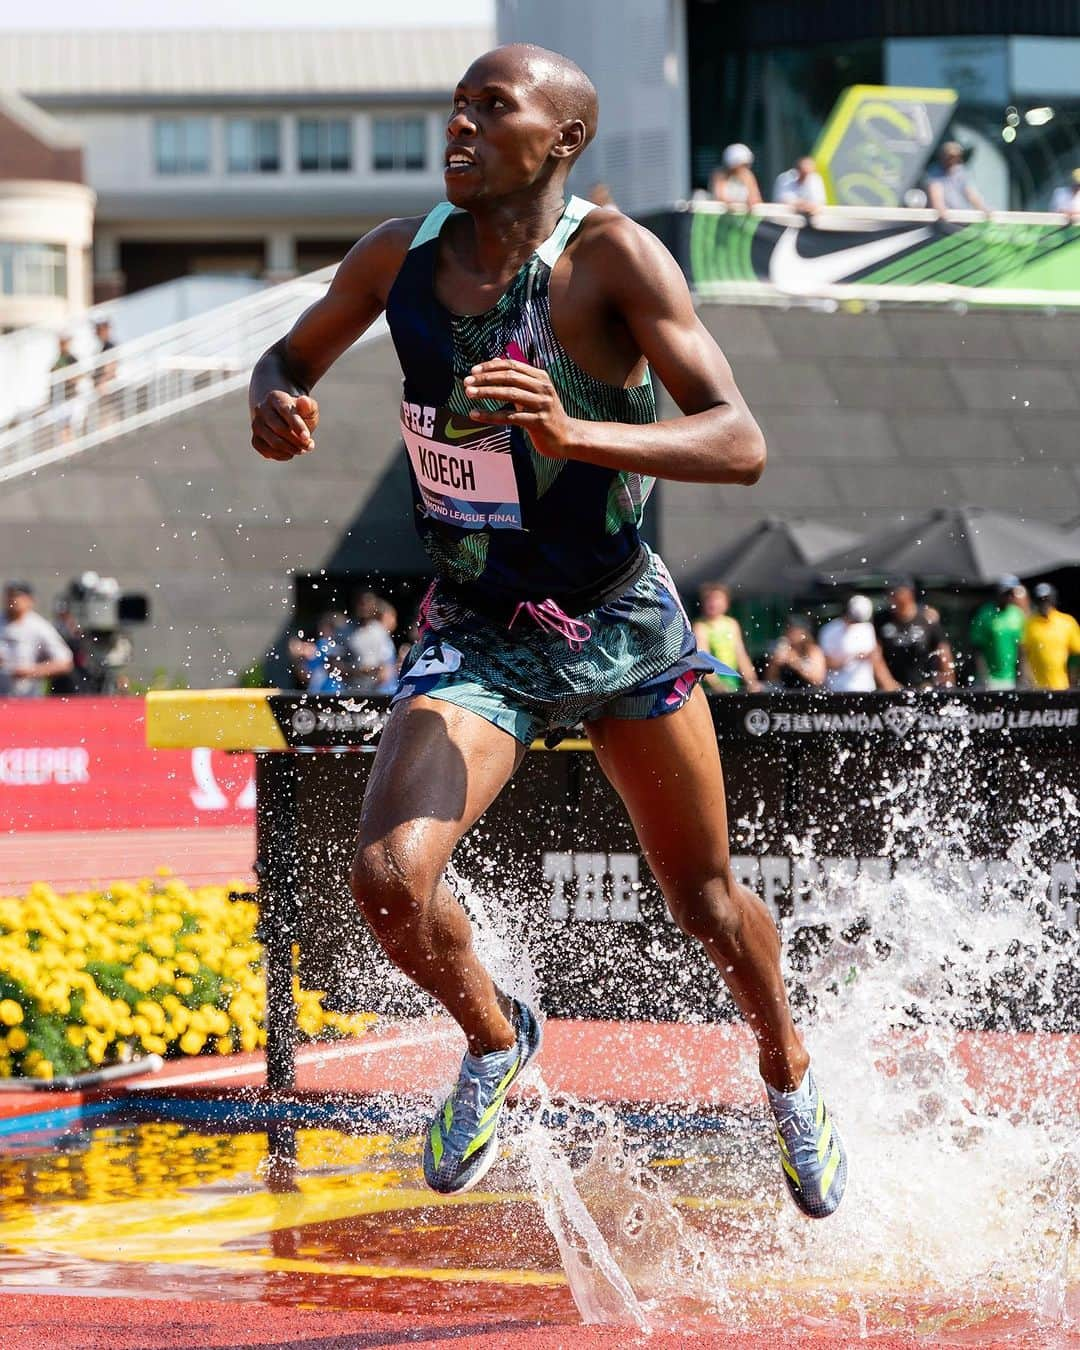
719, 634
1050, 638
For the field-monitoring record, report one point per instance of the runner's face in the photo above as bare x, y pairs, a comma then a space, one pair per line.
501, 133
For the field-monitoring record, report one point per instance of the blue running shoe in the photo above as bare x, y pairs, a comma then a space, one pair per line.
463, 1141
811, 1153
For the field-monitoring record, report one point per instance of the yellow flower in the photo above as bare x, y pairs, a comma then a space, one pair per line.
17, 1039
10, 1012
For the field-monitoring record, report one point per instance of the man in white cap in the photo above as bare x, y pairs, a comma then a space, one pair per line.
852, 652
733, 181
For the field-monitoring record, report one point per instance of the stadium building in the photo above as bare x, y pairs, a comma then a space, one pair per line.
258, 153
888, 391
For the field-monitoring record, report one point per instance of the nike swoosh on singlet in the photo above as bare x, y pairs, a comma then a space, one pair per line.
452, 433
790, 271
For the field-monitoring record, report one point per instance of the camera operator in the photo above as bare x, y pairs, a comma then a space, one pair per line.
31, 650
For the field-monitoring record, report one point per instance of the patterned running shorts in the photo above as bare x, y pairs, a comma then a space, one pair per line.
641, 661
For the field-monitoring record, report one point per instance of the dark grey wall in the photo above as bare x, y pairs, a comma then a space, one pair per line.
870, 416
867, 416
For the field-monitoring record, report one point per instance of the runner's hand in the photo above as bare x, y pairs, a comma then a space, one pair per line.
282, 423
536, 407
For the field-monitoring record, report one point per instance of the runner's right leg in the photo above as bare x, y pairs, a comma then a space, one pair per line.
437, 770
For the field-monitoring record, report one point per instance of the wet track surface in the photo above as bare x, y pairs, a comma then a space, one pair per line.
168, 1211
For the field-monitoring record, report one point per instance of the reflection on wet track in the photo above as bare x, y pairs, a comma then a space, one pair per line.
159, 1209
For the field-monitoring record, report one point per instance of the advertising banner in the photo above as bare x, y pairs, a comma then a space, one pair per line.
83, 764
839, 806
991, 257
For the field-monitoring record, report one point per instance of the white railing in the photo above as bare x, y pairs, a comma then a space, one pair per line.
166, 372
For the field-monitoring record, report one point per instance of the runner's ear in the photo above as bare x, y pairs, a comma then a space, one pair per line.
570, 139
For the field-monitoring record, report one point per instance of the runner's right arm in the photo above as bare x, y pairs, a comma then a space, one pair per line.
283, 413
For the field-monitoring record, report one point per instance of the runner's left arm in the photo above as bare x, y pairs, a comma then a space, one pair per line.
716, 441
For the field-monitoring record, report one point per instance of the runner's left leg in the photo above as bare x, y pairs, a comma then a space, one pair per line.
667, 772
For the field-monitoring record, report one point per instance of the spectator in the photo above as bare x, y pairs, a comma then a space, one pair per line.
852, 654
388, 617
733, 181
913, 642
31, 650
1050, 639
948, 186
802, 188
720, 636
797, 662
66, 357
106, 372
996, 632
321, 667
78, 680
600, 195
1066, 199
71, 410
371, 649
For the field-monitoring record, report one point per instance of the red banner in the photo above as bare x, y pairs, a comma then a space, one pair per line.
83, 764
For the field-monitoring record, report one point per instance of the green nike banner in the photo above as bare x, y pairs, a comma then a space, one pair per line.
1000, 262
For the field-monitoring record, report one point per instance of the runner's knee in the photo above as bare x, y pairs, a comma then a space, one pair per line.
392, 887
711, 911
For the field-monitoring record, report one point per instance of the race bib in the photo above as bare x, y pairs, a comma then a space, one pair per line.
465, 471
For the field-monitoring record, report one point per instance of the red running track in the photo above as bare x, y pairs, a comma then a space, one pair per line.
79, 859
49, 1322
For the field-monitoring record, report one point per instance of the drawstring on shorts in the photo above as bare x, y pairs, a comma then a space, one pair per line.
547, 614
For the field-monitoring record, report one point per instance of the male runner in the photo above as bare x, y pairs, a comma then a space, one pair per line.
526, 325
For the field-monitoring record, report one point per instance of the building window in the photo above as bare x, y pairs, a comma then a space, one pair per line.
252, 145
399, 143
182, 144
33, 269
325, 145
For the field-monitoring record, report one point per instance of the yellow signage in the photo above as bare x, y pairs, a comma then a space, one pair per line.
874, 147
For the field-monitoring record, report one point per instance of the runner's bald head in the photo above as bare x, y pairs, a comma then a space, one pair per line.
562, 82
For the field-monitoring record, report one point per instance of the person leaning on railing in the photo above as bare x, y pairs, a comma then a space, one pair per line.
948, 186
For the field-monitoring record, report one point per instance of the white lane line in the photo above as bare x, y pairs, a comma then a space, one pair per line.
311, 1054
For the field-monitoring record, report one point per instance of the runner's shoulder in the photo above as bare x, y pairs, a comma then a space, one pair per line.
381, 250
619, 248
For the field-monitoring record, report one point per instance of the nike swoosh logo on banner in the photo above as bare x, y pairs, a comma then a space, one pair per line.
790, 271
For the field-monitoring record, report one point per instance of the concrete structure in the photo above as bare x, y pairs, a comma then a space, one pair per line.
265, 153
46, 218
868, 416
635, 53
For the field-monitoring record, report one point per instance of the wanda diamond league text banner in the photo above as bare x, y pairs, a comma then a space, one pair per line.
83, 764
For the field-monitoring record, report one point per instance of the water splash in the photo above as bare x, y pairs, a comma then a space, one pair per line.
599, 1287
919, 992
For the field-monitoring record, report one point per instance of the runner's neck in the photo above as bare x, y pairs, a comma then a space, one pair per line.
504, 237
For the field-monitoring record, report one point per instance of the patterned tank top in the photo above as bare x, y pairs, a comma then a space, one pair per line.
499, 520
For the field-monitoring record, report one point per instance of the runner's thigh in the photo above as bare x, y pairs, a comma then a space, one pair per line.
437, 770
667, 772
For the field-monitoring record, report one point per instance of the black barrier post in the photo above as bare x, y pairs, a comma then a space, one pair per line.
278, 859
